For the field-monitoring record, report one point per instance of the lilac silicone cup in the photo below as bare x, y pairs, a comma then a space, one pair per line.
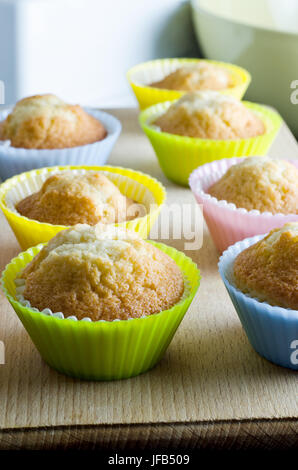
227, 223
18, 160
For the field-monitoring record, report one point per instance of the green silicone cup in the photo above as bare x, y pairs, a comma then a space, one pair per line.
102, 350
178, 156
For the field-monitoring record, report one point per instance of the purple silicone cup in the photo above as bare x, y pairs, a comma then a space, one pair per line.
17, 160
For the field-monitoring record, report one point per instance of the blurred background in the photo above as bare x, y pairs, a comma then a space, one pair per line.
81, 49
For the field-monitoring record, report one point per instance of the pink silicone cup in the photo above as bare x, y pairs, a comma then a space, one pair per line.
227, 223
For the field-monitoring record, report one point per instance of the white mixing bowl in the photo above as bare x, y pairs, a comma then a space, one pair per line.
261, 36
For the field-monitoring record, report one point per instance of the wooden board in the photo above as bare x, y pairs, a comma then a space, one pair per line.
211, 388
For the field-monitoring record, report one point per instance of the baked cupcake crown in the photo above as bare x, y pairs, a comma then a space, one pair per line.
47, 122
260, 183
211, 101
268, 270
67, 198
192, 77
105, 274
210, 115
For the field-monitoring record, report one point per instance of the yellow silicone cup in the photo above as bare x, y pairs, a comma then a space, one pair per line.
178, 156
102, 350
132, 183
142, 74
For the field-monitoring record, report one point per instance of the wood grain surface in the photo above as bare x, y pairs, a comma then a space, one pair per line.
210, 389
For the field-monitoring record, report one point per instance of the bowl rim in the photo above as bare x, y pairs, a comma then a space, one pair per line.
97, 113
241, 72
230, 206
195, 7
13, 181
230, 254
169, 250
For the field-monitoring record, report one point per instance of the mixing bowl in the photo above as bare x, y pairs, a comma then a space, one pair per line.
261, 36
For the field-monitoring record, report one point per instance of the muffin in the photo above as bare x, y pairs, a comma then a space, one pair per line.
268, 270
47, 122
210, 115
206, 126
108, 275
261, 278
67, 198
230, 222
193, 77
260, 183
103, 274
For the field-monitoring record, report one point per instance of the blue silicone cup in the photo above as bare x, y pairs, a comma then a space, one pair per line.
272, 331
18, 160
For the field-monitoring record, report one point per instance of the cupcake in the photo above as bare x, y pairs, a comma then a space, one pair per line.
67, 198
43, 131
193, 77
103, 274
41, 203
261, 276
204, 126
168, 79
260, 183
209, 115
268, 270
245, 197
101, 303
47, 122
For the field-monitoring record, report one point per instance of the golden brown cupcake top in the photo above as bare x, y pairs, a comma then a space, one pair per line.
102, 274
268, 270
67, 198
260, 183
210, 115
192, 77
46, 122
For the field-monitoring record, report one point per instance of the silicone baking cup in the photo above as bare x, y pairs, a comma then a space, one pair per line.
17, 160
102, 350
227, 223
142, 75
178, 156
140, 187
272, 331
